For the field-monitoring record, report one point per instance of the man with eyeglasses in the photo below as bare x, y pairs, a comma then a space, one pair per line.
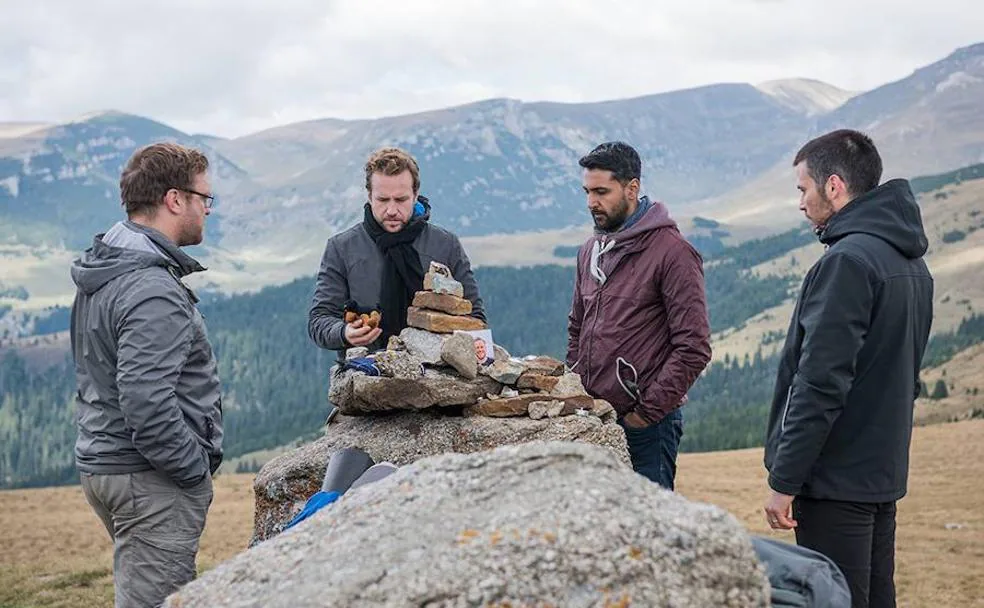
149, 405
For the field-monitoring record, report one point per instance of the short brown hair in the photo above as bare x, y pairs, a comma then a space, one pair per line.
392, 161
155, 169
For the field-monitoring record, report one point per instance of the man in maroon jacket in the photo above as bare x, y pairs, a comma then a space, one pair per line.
638, 332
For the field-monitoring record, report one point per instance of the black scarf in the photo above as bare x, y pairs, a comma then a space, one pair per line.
403, 274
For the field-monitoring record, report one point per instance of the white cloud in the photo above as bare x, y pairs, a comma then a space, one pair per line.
231, 67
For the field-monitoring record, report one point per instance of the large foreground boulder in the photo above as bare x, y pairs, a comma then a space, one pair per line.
285, 483
541, 524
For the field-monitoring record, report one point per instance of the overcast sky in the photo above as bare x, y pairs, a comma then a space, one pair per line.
230, 67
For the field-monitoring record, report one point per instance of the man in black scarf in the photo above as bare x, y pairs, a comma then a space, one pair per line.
380, 262
403, 275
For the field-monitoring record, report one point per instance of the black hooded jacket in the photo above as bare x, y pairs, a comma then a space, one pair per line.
841, 417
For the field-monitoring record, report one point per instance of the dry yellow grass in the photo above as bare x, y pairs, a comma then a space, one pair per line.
55, 553
935, 565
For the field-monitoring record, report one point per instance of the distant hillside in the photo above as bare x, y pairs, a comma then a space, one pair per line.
952, 206
521, 225
60, 184
498, 168
805, 95
927, 123
954, 388
275, 380
931, 183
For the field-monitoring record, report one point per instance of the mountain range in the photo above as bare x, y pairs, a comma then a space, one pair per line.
498, 172
504, 175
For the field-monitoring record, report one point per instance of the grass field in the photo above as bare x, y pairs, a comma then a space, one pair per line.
54, 552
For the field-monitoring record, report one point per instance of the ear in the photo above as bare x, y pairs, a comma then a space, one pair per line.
173, 202
632, 188
836, 187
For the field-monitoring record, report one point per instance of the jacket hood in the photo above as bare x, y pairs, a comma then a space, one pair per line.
127, 247
421, 209
657, 216
889, 212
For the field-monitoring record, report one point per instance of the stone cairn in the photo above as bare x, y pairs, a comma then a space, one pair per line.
433, 364
431, 397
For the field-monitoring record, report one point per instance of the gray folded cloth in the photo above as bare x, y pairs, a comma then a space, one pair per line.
374, 473
344, 467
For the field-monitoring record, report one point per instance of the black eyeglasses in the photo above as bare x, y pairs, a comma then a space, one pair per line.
208, 199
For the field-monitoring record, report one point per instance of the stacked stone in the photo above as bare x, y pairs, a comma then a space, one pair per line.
416, 368
441, 307
538, 387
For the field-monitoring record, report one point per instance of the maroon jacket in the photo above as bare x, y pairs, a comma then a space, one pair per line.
638, 332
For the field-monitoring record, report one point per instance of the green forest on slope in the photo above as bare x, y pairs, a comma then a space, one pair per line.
275, 379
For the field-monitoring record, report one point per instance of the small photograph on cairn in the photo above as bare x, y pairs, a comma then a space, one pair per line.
484, 346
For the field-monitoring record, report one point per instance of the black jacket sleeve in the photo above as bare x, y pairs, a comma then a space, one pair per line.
834, 315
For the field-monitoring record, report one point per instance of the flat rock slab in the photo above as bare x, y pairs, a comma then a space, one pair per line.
374, 394
453, 305
506, 371
439, 283
543, 524
537, 381
441, 323
285, 483
519, 405
548, 366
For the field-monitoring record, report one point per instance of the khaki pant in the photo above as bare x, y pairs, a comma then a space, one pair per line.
155, 527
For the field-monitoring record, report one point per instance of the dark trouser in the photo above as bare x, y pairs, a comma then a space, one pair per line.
859, 537
653, 449
155, 527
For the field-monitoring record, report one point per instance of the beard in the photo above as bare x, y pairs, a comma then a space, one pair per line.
192, 233
386, 225
824, 211
612, 220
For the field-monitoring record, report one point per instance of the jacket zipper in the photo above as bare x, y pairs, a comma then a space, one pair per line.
594, 322
785, 409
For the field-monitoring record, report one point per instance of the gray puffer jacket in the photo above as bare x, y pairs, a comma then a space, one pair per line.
148, 388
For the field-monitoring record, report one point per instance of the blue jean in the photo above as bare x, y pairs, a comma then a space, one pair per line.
653, 449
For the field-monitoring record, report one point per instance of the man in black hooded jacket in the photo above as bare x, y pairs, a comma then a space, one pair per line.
837, 447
